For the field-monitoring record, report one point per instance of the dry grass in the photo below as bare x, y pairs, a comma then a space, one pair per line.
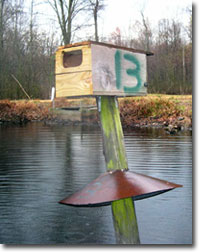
157, 109
23, 111
135, 111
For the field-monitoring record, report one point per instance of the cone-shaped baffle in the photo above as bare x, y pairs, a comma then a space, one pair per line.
117, 185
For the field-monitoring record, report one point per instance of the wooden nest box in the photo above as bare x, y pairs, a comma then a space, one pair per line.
93, 68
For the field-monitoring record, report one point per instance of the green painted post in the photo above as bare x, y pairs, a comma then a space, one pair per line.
123, 211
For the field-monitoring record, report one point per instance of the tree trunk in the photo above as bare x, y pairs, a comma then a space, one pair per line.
1, 23
95, 20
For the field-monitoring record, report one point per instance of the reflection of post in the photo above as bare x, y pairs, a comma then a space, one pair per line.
124, 217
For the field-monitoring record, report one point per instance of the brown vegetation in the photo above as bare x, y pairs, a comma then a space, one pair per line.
174, 112
157, 110
23, 111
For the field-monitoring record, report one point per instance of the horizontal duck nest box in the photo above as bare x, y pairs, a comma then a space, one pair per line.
116, 185
92, 69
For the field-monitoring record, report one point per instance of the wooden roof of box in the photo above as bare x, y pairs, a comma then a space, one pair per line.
89, 42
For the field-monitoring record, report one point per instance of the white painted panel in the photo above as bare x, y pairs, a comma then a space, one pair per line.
117, 72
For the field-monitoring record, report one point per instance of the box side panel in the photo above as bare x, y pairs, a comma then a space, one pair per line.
118, 72
74, 81
74, 84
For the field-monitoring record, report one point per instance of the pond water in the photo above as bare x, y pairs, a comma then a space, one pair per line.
41, 164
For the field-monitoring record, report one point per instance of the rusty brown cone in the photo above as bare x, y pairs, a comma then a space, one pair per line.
116, 185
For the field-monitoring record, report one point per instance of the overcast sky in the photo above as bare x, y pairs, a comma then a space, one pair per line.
122, 13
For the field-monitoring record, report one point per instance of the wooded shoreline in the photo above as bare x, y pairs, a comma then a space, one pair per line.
173, 112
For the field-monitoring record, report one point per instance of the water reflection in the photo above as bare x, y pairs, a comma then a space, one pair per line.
40, 165
170, 158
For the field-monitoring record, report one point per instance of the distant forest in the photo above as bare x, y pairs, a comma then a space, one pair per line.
27, 54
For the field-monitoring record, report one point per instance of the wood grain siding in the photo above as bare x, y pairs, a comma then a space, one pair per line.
74, 84
74, 81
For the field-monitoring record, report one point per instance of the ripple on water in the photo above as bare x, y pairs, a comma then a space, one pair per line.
40, 165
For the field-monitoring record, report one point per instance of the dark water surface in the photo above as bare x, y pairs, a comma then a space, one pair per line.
40, 165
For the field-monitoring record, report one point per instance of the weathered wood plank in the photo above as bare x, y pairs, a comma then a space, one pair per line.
124, 216
113, 139
118, 71
125, 221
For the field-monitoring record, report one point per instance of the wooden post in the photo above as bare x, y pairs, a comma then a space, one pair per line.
124, 217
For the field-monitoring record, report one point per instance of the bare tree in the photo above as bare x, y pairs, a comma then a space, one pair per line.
2, 4
147, 32
5, 15
96, 6
116, 37
66, 11
189, 30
